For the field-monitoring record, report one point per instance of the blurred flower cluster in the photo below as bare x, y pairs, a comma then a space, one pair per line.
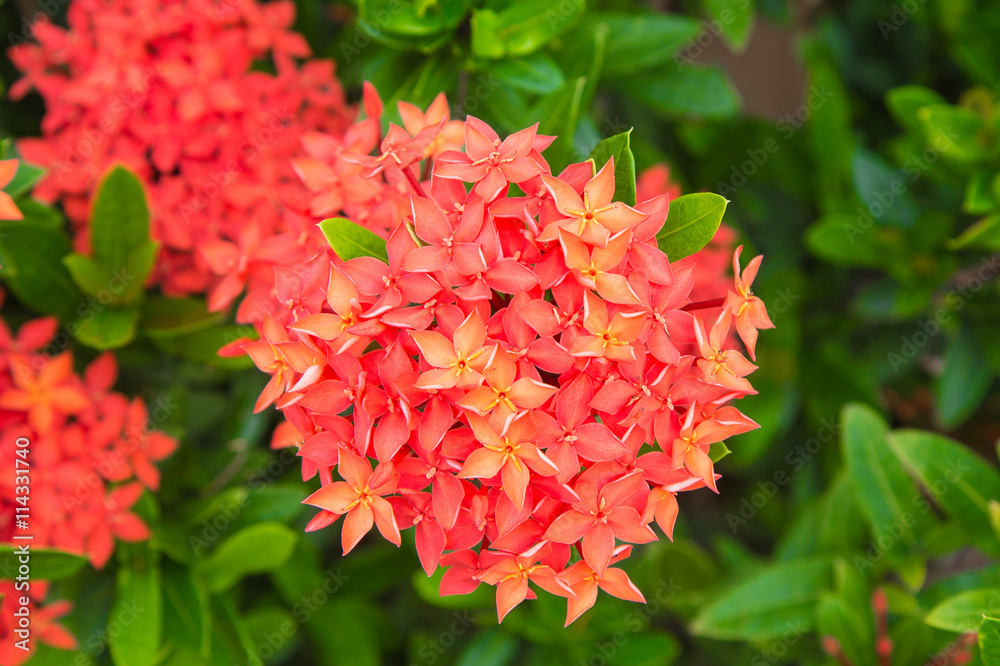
522, 377
207, 102
90, 455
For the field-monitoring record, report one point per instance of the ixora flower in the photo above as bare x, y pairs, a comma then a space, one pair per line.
520, 374
91, 456
208, 103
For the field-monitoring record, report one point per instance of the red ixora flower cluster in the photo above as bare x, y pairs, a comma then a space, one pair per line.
90, 454
177, 91
525, 381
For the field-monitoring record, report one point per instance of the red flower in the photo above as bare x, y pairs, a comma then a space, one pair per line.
510, 369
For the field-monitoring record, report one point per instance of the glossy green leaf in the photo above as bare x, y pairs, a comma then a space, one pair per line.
653, 38
885, 493
961, 483
521, 27
536, 73
717, 451
954, 131
764, 606
350, 240
168, 317
905, 101
45, 563
31, 260
119, 219
137, 615
107, 328
989, 641
255, 549
619, 148
691, 223
963, 385
407, 19
964, 612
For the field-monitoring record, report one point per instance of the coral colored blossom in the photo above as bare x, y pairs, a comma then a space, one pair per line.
91, 454
527, 382
182, 93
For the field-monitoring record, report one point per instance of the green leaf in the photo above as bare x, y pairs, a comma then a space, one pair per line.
694, 91
978, 198
994, 513
187, 618
407, 19
491, 647
350, 240
884, 491
169, 317
883, 190
522, 27
964, 612
255, 549
904, 103
653, 38
829, 132
956, 132
734, 17
691, 223
138, 266
960, 482
618, 147
848, 240
536, 73
989, 641
426, 45
428, 589
26, 176
119, 219
31, 260
90, 276
135, 625
965, 381
45, 563
717, 451
106, 328
765, 606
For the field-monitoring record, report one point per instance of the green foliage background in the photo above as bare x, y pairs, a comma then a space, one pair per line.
877, 206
